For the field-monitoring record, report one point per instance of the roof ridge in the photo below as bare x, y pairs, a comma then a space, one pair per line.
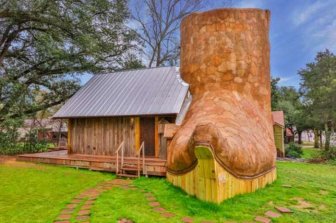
135, 69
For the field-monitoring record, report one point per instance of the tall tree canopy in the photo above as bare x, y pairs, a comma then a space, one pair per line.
275, 94
318, 87
45, 45
289, 100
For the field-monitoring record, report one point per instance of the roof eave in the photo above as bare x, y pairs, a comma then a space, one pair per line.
111, 116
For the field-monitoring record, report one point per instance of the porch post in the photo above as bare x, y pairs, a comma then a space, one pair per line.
137, 133
156, 137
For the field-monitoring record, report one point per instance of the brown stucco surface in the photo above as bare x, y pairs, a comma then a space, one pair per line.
225, 59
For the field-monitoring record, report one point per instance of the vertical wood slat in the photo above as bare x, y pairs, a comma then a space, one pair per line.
105, 136
84, 135
117, 130
113, 123
75, 135
70, 129
86, 127
110, 143
156, 137
137, 133
211, 182
95, 138
78, 136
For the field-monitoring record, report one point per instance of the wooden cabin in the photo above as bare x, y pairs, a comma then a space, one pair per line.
127, 111
279, 129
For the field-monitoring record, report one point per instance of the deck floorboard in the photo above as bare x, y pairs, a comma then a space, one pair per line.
155, 166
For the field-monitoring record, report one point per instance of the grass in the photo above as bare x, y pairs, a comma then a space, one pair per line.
307, 143
310, 153
314, 182
37, 193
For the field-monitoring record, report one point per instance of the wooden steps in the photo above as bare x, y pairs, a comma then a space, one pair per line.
124, 175
129, 169
132, 168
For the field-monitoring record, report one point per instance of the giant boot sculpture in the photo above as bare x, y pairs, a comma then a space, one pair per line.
225, 145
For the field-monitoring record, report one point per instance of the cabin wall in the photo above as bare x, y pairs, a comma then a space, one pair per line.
102, 136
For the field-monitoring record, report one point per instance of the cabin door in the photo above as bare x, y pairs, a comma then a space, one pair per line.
147, 134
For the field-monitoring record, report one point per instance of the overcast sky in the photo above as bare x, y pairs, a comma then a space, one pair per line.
299, 29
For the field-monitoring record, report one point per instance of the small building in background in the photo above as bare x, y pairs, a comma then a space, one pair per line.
279, 128
289, 135
51, 130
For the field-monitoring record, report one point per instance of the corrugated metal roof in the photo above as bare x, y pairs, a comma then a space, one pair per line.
127, 93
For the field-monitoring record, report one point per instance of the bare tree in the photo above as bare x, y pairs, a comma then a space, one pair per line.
157, 23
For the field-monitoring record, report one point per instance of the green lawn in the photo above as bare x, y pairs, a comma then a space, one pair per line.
315, 183
37, 193
309, 153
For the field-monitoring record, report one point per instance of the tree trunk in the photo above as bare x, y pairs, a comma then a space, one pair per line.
158, 56
316, 139
300, 137
321, 141
308, 135
327, 136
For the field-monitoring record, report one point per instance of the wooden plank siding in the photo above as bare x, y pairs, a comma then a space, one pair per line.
102, 136
209, 181
69, 136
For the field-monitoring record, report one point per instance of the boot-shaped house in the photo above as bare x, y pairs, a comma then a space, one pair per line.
225, 145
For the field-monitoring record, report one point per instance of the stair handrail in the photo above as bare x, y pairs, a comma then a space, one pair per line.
122, 148
142, 149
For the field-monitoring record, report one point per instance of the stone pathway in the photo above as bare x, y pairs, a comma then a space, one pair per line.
79, 209
269, 215
156, 206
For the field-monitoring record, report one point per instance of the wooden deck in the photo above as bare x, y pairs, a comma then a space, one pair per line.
155, 166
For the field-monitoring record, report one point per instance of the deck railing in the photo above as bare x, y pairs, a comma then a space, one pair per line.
142, 149
122, 148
